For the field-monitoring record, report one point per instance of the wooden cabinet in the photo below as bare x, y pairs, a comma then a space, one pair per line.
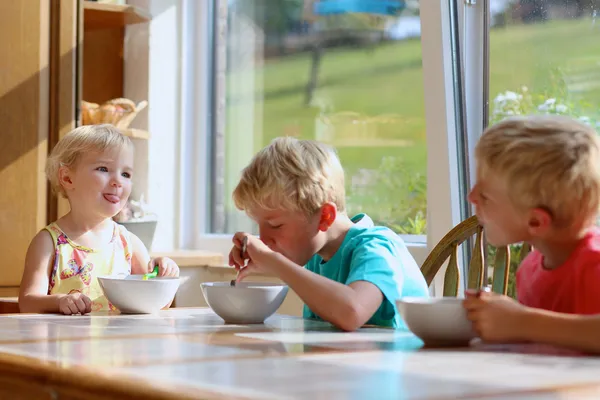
25, 137
100, 68
59, 52
103, 48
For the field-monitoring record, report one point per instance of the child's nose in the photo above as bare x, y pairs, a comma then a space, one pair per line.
264, 237
472, 198
116, 182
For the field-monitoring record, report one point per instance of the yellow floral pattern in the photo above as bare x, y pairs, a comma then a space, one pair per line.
76, 268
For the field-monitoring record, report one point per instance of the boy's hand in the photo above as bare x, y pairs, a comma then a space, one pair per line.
166, 266
496, 318
75, 303
258, 255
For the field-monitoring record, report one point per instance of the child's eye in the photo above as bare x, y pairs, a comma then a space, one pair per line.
126, 175
276, 226
102, 169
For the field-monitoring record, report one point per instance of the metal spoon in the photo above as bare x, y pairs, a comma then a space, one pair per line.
244, 245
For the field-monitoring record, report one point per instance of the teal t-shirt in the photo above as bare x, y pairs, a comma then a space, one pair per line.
377, 255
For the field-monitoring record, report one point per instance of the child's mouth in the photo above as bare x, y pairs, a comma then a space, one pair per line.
112, 198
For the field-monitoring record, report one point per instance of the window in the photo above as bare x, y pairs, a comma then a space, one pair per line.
554, 69
380, 88
538, 57
317, 70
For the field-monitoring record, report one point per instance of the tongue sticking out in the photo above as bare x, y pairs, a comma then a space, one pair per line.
112, 198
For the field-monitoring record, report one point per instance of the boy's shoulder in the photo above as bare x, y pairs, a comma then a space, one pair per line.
367, 233
374, 237
364, 225
588, 253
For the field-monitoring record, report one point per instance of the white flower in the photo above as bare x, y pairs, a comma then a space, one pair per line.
507, 97
584, 119
561, 108
512, 96
499, 98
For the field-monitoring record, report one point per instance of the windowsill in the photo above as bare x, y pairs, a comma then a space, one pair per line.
193, 258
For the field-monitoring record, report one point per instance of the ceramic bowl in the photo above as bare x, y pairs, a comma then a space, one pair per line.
133, 295
246, 302
438, 321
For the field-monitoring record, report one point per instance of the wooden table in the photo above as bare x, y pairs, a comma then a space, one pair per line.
190, 353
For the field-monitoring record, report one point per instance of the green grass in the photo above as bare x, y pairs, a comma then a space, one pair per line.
388, 79
538, 55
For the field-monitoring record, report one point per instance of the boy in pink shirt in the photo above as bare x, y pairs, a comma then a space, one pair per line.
573, 287
538, 181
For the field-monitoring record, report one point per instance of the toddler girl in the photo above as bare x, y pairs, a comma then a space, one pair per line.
92, 168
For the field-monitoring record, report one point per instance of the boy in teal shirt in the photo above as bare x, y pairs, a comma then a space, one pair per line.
294, 190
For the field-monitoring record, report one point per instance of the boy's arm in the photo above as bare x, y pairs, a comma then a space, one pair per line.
500, 319
346, 306
579, 332
33, 294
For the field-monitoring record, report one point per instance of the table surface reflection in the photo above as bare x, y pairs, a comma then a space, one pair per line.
190, 353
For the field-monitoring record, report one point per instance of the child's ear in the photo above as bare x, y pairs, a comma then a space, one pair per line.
64, 178
328, 215
540, 221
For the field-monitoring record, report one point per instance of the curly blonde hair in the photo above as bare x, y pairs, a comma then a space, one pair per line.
86, 138
549, 162
294, 175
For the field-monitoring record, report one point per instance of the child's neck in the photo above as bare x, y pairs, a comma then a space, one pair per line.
79, 224
557, 249
335, 236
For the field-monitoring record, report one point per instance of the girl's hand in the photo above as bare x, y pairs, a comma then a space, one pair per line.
166, 266
257, 258
75, 303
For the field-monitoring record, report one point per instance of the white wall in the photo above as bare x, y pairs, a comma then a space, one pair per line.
152, 71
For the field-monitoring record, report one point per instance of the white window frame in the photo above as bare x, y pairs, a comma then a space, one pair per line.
443, 210
475, 74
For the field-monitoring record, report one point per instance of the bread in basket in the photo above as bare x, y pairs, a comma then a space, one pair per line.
119, 112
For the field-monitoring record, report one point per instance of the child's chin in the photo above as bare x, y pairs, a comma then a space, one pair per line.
298, 260
495, 242
112, 209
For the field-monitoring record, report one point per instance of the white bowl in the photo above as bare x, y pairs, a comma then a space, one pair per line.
133, 295
246, 302
438, 321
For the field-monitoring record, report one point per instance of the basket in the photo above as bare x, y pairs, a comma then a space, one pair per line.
118, 112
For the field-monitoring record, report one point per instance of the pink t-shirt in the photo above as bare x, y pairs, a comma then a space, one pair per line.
572, 288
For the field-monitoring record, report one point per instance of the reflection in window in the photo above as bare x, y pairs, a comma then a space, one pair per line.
350, 79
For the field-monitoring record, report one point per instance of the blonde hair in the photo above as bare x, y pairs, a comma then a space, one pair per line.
86, 138
547, 162
294, 175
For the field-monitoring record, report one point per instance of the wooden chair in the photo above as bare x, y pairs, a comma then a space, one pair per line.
448, 248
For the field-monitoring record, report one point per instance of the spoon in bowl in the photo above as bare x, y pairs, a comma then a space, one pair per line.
244, 246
